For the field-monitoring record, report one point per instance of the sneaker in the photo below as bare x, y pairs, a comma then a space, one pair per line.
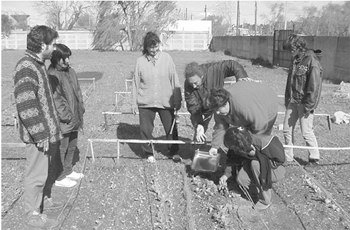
261, 206
66, 182
41, 221
75, 176
50, 204
311, 165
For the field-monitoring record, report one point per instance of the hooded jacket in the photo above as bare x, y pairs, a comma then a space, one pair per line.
68, 98
214, 75
304, 82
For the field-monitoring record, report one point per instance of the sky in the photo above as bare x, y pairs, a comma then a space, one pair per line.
195, 9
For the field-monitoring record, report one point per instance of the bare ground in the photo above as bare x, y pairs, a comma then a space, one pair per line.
129, 193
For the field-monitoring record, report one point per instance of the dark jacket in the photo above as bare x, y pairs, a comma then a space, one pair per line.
37, 116
269, 153
304, 83
214, 75
68, 98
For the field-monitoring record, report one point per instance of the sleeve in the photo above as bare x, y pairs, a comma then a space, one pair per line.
28, 104
135, 85
193, 105
233, 68
80, 94
62, 107
287, 95
313, 89
220, 128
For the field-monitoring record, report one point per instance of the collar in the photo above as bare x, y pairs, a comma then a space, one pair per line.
33, 55
153, 59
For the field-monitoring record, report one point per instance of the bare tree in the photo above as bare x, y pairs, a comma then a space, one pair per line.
131, 20
63, 15
276, 17
227, 10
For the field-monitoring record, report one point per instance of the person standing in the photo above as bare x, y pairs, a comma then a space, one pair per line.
156, 89
200, 79
302, 95
69, 103
38, 122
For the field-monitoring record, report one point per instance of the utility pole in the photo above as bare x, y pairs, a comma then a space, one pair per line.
285, 16
205, 12
238, 15
256, 13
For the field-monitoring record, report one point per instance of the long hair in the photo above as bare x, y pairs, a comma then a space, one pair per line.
62, 52
39, 35
151, 39
218, 98
238, 139
193, 69
295, 43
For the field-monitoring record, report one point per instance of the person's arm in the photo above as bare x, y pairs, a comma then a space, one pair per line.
79, 92
193, 105
233, 68
135, 87
62, 107
314, 85
220, 128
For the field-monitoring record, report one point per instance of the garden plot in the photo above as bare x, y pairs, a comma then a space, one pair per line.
100, 203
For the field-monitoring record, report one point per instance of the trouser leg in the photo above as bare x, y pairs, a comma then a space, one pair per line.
246, 181
290, 119
167, 117
264, 194
35, 177
307, 130
63, 152
54, 158
147, 116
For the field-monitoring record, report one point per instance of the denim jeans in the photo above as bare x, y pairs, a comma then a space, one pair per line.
67, 148
294, 113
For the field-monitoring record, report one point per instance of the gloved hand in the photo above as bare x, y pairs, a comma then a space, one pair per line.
200, 136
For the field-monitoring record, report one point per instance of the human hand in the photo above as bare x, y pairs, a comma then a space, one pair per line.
43, 144
200, 136
223, 180
213, 152
177, 106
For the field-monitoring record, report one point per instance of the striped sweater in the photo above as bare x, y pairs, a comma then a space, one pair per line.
37, 114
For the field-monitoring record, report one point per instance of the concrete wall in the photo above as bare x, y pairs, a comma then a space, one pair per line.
335, 51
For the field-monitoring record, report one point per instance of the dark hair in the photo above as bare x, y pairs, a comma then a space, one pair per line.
39, 35
151, 39
295, 43
218, 98
239, 139
193, 69
62, 52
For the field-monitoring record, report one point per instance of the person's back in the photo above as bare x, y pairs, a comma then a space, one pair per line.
253, 104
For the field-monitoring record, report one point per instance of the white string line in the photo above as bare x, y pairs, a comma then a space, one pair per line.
208, 142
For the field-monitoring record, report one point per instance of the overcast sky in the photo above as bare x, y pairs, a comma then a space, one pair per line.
194, 9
